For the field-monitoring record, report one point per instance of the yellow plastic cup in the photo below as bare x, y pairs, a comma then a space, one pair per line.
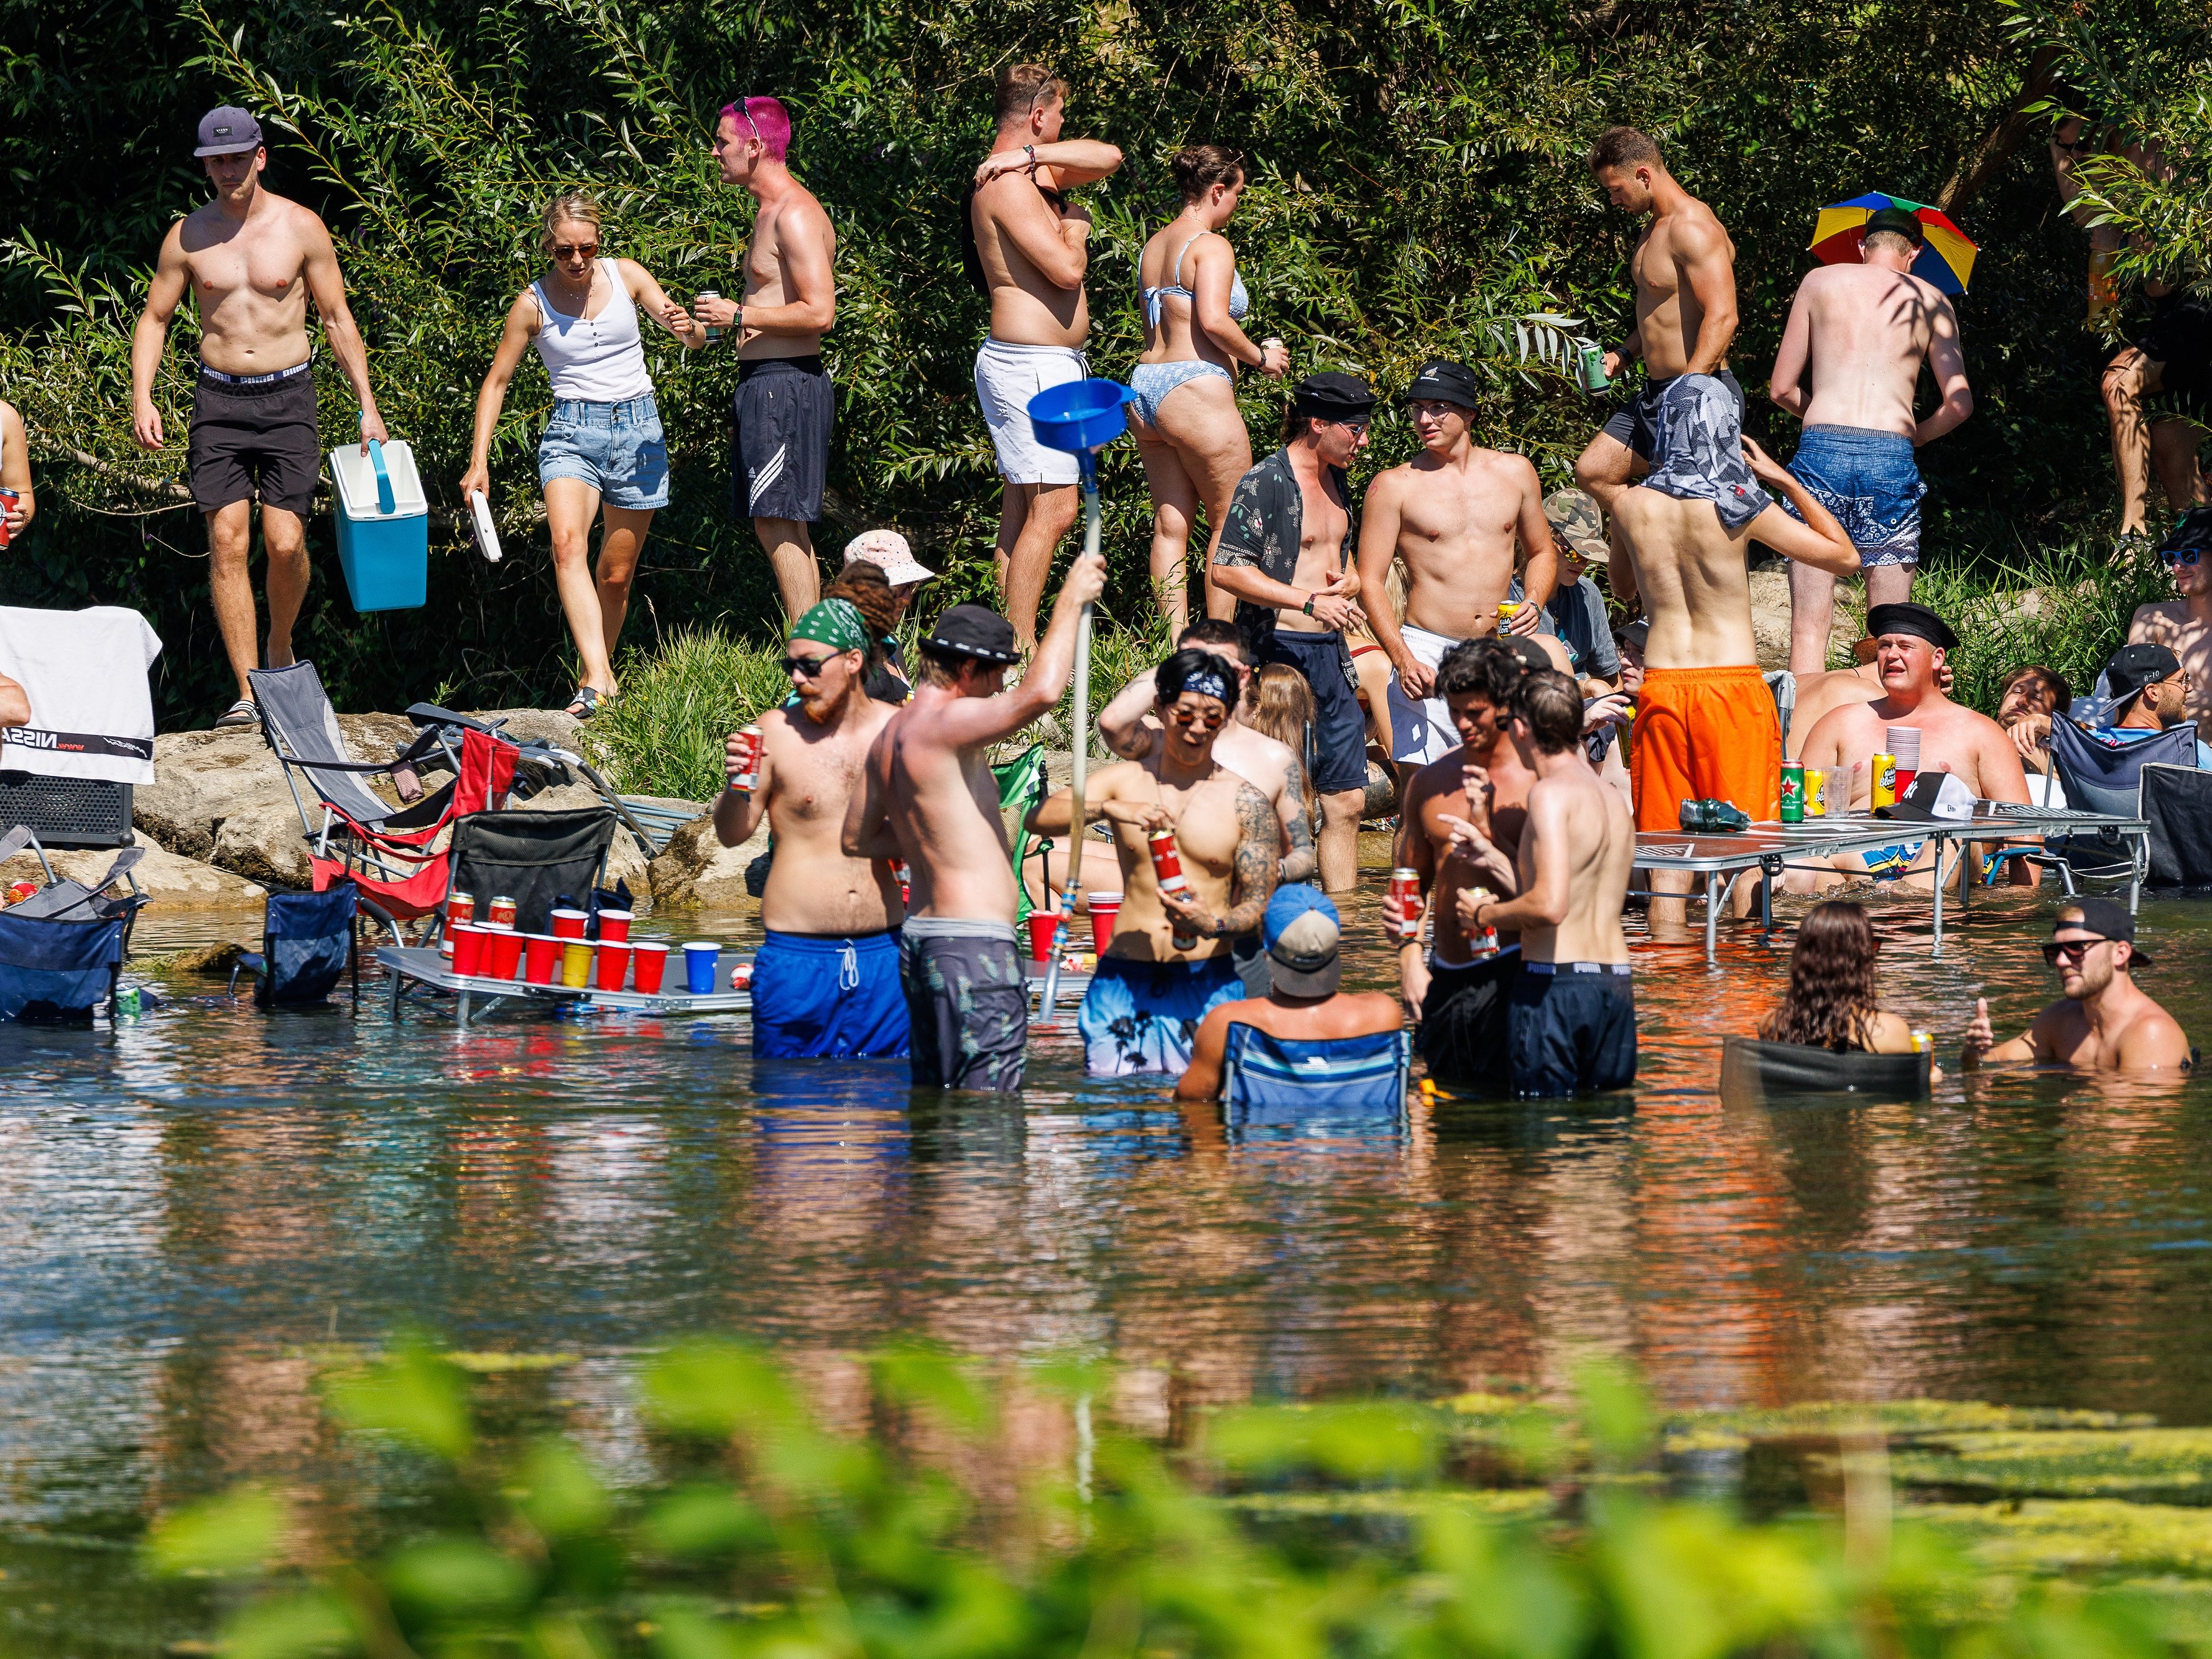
576, 963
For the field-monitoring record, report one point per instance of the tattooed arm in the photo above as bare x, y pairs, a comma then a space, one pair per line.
1299, 862
1252, 878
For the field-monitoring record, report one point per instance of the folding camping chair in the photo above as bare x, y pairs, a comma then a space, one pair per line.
388, 850
1321, 1083
62, 949
2101, 776
536, 858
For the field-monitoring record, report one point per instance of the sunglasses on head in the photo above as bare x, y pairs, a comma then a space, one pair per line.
811, 667
2059, 949
2180, 554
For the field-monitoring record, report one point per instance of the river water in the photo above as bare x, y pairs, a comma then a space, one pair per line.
194, 1205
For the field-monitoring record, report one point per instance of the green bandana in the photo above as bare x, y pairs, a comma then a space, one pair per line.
833, 621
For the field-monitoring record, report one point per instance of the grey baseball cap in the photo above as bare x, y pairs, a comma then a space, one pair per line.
229, 131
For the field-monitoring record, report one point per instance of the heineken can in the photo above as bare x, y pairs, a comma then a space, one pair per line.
1589, 368
1793, 791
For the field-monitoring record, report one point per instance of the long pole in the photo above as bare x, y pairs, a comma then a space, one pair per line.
1079, 741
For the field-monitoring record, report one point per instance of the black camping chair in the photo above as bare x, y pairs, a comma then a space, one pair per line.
536, 858
2099, 777
2177, 804
307, 942
1752, 1070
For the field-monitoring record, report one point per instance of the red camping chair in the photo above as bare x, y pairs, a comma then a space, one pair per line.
397, 868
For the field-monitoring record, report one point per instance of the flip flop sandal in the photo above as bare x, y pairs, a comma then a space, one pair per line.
586, 701
241, 713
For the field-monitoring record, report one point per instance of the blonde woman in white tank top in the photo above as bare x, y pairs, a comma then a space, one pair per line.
603, 453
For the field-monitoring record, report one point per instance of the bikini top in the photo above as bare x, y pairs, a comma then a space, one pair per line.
1239, 301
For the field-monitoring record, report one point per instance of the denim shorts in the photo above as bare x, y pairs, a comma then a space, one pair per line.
617, 448
1870, 481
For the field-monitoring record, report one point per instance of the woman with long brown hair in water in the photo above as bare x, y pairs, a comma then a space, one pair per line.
1830, 1001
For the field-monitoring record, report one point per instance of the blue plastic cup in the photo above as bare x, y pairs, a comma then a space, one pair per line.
701, 958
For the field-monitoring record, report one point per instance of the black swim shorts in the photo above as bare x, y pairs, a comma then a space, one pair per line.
1461, 1038
1635, 423
249, 440
967, 1004
781, 417
2178, 338
1570, 1032
1338, 762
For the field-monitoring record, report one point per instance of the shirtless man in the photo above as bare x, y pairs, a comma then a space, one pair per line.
1458, 995
1910, 641
1454, 513
1706, 722
252, 261
928, 798
1862, 331
1025, 247
1684, 269
1170, 961
2183, 625
785, 408
2105, 1023
1570, 1018
1130, 727
826, 982
1286, 557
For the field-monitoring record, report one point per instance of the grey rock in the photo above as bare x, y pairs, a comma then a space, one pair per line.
696, 871
562, 729
175, 883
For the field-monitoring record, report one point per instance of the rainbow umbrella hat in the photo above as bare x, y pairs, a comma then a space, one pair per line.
1947, 258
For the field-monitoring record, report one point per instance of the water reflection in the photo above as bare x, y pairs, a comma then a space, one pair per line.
201, 1203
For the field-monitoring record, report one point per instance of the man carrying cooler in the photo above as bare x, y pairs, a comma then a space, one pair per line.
927, 797
252, 260
826, 981
1171, 957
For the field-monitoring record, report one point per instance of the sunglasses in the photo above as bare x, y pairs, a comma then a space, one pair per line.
810, 667
575, 250
2180, 554
1355, 428
2072, 949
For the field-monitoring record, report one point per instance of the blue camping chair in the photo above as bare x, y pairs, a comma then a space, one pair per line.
308, 942
2102, 774
55, 972
1272, 1082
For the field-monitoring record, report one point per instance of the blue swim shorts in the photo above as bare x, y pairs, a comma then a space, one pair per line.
1872, 485
815, 997
617, 448
1144, 1016
1888, 863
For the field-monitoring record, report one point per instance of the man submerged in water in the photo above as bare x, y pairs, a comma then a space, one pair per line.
1171, 959
2105, 1022
927, 797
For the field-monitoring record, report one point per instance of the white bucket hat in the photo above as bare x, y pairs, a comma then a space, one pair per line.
887, 550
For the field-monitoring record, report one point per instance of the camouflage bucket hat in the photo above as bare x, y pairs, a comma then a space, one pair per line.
1576, 520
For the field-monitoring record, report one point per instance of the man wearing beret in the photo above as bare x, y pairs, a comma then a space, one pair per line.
1454, 513
1910, 641
1286, 557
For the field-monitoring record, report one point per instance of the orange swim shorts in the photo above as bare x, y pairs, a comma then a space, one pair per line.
1705, 734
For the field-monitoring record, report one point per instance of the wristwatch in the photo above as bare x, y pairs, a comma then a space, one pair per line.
1307, 606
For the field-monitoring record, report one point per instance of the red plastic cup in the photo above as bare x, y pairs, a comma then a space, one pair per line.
568, 924
1043, 924
468, 949
1104, 907
614, 926
652, 958
541, 957
503, 952
613, 964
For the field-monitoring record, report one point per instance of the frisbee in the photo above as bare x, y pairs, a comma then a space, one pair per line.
487, 532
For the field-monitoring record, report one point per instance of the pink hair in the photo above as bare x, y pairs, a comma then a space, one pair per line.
764, 118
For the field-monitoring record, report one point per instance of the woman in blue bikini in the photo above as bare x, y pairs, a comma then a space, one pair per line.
1188, 429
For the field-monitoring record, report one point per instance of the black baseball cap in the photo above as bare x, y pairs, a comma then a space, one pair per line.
1909, 618
1333, 396
969, 630
1900, 221
227, 130
2135, 666
1446, 382
2106, 918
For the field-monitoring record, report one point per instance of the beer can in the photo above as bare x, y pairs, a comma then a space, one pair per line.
460, 910
1589, 368
1793, 791
500, 913
1816, 793
1509, 609
1483, 941
8, 500
747, 776
712, 333
1922, 1041
1884, 767
1406, 903
1167, 871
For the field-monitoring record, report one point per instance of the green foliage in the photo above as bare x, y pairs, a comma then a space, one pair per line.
1417, 188
2067, 608
1290, 1531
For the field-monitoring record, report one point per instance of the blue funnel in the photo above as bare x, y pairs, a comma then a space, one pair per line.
1081, 416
